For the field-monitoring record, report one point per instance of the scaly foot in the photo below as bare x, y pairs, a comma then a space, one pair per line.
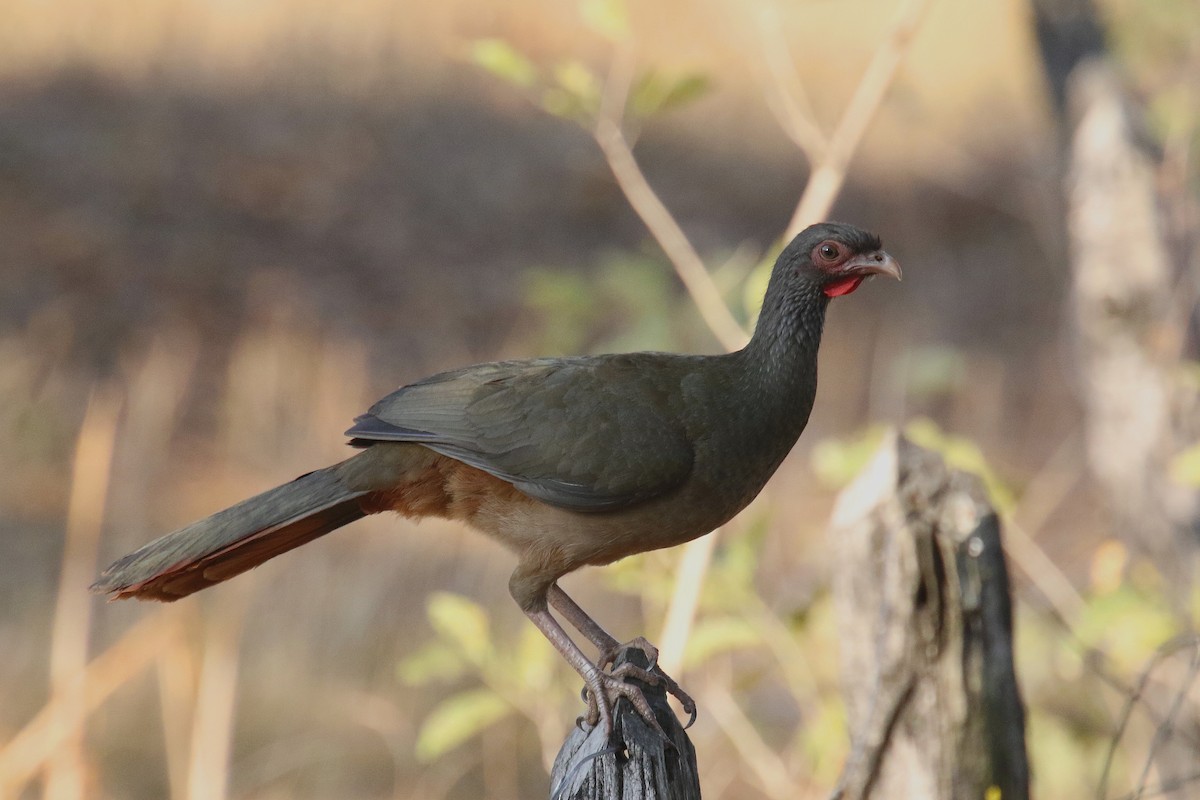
603, 689
653, 675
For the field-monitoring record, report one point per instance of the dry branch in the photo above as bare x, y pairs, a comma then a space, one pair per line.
829, 173
670, 237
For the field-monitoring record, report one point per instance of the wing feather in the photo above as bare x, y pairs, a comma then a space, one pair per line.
589, 434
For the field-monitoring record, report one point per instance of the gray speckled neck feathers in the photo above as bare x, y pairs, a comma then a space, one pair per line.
780, 358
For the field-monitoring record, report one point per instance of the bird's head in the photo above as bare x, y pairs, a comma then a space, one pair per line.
837, 257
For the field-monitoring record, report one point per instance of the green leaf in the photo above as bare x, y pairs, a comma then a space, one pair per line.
435, 662
535, 659
934, 370
576, 95
647, 94
1185, 467
463, 623
575, 77
1127, 624
504, 61
606, 17
836, 461
687, 89
823, 738
562, 103
457, 719
730, 583
714, 635
654, 93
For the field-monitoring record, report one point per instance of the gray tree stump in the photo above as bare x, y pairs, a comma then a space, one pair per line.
638, 764
1130, 333
922, 594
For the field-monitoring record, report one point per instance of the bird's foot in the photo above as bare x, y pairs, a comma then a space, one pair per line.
652, 675
603, 690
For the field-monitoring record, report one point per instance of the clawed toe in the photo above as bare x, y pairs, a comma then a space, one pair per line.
604, 690
652, 674
656, 677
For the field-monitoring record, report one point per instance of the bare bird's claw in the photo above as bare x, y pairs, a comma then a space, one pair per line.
652, 675
604, 690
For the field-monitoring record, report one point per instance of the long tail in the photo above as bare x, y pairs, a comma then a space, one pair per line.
234, 540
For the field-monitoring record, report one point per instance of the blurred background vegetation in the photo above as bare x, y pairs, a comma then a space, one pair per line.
227, 227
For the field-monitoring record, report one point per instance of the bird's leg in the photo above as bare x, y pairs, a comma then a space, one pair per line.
579, 619
603, 689
610, 649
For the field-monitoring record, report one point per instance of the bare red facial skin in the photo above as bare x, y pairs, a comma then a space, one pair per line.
843, 287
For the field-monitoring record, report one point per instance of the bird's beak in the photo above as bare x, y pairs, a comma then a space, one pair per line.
876, 263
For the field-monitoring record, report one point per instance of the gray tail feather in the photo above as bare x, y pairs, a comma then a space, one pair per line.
232, 541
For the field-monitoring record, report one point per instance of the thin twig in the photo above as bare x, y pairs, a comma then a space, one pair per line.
1051, 485
766, 765
685, 598
610, 136
1163, 732
1164, 788
670, 237
1133, 696
787, 98
829, 175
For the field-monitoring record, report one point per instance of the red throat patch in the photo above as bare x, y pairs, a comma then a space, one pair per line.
844, 286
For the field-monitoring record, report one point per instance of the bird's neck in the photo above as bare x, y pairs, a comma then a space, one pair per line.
773, 382
781, 358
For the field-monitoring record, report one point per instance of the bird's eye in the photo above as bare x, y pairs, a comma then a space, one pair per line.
829, 252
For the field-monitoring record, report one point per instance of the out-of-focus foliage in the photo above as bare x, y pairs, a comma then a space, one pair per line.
627, 303
457, 719
608, 18
511, 675
1159, 43
837, 460
1185, 467
933, 371
654, 92
1067, 677
502, 60
1128, 623
571, 89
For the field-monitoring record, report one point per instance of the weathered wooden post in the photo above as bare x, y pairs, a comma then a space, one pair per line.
922, 593
638, 764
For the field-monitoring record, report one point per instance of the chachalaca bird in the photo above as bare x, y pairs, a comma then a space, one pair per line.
567, 461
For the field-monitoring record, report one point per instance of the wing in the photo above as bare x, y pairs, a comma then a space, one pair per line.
588, 434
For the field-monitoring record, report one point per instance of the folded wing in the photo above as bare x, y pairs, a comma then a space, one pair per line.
587, 434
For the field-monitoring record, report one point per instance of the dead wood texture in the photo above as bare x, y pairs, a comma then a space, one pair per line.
637, 764
922, 595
